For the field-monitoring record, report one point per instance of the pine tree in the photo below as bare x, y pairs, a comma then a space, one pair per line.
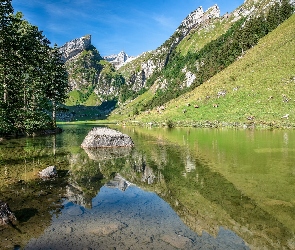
6, 12
56, 86
33, 79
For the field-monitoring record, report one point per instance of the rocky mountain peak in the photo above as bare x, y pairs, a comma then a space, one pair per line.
193, 18
212, 12
119, 59
74, 47
197, 17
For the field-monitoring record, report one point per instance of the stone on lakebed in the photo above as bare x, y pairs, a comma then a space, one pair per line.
48, 172
6, 216
100, 137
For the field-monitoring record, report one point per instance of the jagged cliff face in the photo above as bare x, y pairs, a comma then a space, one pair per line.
90, 76
140, 69
196, 18
119, 60
75, 47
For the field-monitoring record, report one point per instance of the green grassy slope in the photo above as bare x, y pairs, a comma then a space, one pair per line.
196, 40
258, 89
76, 97
129, 109
201, 36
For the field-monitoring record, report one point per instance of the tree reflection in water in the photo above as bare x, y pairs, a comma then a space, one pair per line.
101, 197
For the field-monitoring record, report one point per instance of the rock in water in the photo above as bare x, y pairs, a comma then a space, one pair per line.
6, 216
106, 137
48, 172
107, 153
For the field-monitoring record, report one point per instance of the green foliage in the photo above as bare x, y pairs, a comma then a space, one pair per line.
86, 67
33, 79
128, 94
170, 124
278, 13
258, 90
217, 54
88, 98
135, 111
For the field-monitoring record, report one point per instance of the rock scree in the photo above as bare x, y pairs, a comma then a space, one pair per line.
100, 137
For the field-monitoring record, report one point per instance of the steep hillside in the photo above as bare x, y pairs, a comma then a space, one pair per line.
256, 90
188, 68
143, 67
92, 79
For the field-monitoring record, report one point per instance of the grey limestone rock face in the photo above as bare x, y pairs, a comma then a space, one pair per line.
119, 60
106, 137
74, 47
196, 18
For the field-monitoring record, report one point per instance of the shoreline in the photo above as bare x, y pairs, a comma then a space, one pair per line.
45, 132
211, 124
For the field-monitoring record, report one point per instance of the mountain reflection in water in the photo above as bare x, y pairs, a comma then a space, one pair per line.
179, 188
126, 217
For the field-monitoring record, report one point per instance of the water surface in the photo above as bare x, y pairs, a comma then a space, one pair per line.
177, 189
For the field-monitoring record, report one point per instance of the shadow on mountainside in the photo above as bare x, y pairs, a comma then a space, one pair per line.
84, 113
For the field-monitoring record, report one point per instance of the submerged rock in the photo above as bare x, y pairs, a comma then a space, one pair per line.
6, 216
48, 172
108, 153
106, 137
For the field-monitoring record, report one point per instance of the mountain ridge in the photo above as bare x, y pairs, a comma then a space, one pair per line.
74, 47
118, 60
168, 71
184, 68
135, 79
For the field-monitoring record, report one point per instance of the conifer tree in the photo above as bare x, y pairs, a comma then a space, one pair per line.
33, 79
6, 12
56, 86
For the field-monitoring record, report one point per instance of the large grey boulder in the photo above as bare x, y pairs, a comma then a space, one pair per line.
100, 137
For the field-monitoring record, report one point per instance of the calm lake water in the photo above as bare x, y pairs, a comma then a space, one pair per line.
176, 189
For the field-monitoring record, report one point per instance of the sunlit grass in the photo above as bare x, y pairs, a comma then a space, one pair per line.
127, 110
259, 88
198, 38
76, 98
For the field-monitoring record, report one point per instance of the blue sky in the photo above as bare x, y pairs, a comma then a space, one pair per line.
134, 26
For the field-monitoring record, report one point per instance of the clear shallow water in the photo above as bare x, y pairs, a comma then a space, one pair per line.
191, 189
133, 219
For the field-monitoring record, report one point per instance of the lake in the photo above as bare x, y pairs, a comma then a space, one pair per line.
181, 188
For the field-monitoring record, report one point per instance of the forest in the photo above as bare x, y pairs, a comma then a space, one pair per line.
33, 78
